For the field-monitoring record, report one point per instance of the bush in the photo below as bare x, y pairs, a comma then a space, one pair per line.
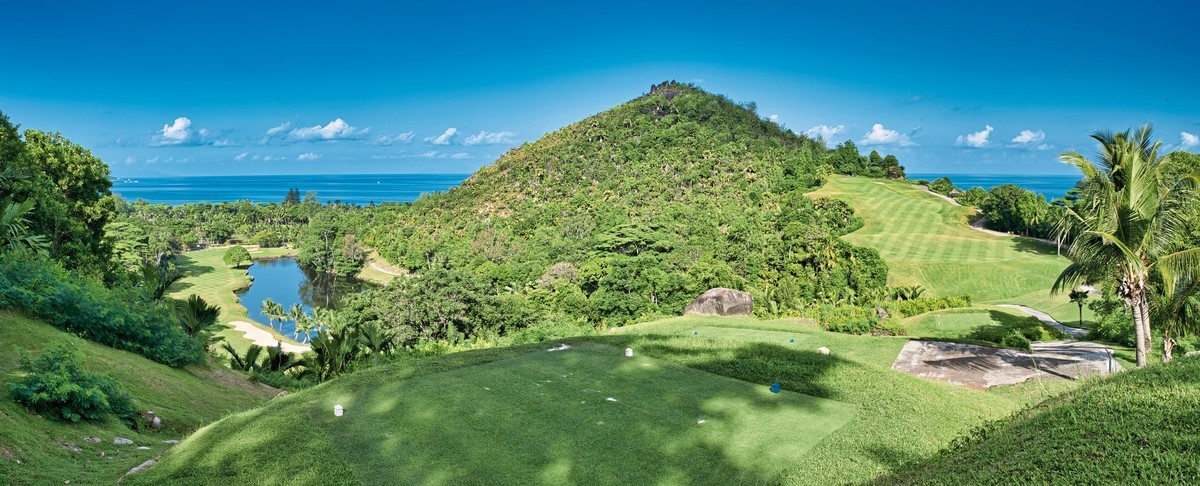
1113, 323
921, 305
235, 255
125, 318
848, 319
1016, 340
57, 386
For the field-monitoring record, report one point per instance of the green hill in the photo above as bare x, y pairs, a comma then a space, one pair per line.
1138, 427
636, 211
691, 407
37, 450
926, 241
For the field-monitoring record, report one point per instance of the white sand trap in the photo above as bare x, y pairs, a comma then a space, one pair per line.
261, 337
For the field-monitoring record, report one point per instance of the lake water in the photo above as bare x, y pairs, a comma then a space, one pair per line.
287, 282
1051, 186
348, 188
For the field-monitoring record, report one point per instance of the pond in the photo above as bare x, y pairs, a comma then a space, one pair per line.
287, 282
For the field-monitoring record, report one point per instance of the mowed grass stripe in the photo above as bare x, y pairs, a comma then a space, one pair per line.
926, 241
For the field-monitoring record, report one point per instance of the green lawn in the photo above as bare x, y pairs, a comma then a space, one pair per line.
1137, 427
926, 241
524, 415
35, 450
214, 281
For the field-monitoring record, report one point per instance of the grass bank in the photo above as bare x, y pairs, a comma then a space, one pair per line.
39, 450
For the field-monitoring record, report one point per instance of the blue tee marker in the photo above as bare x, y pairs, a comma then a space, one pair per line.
695, 333
775, 387
792, 340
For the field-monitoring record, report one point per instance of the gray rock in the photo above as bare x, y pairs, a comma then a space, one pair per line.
881, 314
171, 441
721, 302
144, 448
122, 441
93, 439
144, 465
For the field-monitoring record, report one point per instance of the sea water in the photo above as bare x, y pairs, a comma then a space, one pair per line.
347, 188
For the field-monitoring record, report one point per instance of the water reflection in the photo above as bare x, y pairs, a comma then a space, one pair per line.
285, 281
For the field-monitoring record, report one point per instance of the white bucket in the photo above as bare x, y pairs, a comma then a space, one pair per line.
338, 410
629, 352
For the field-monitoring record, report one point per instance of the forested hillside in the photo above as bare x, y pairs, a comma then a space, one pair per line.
628, 214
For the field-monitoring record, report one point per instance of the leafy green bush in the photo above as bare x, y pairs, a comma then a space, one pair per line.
1113, 323
1017, 333
57, 386
921, 305
235, 255
124, 317
1016, 340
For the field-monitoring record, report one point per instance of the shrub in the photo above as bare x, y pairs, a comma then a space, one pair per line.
1016, 340
235, 255
57, 385
124, 318
848, 319
921, 305
1113, 323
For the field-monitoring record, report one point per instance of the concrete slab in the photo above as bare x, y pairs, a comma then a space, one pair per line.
984, 367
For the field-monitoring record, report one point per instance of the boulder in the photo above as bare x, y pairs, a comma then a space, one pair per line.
881, 313
721, 302
122, 441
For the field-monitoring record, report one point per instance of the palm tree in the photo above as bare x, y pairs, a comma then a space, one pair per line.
1078, 296
273, 310
1125, 223
1179, 312
198, 318
296, 314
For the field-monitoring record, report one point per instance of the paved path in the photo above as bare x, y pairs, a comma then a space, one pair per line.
1074, 332
984, 367
261, 337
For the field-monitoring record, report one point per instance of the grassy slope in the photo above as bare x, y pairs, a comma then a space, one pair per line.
210, 278
433, 421
926, 241
1138, 427
185, 399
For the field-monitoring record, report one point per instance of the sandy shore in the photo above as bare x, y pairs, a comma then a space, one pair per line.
261, 337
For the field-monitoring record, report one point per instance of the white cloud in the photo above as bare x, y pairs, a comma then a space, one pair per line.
774, 117
460, 155
1188, 140
430, 154
405, 137
308, 156
826, 133
130, 160
489, 138
337, 129
883, 136
1030, 137
978, 139
271, 132
446, 138
176, 133
240, 157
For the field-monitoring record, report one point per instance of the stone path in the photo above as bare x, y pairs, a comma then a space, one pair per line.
1074, 332
984, 367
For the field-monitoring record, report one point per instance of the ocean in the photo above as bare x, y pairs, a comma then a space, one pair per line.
379, 188
350, 189
1051, 186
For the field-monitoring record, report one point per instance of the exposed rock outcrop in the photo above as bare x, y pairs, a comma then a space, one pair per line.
721, 302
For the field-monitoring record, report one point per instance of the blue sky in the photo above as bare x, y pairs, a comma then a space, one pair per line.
219, 88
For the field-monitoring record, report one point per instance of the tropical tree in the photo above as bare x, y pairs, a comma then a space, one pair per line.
14, 229
1078, 296
273, 311
1125, 223
235, 255
247, 362
296, 314
1179, 313
198, 318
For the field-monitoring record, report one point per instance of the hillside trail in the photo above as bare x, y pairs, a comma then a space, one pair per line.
1075, 332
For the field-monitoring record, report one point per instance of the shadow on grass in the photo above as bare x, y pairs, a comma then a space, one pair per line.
1030, 245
